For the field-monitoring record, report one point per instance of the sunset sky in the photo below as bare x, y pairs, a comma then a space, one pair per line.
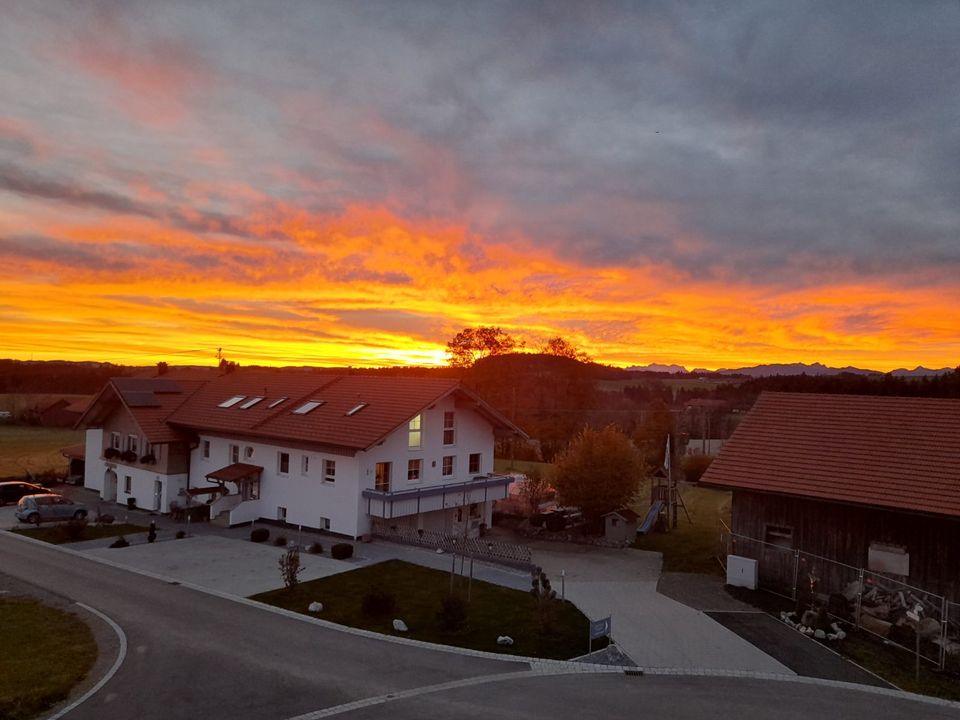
710, 184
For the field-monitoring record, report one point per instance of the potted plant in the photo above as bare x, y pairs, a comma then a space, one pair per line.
111, 453
128, 456
148, 459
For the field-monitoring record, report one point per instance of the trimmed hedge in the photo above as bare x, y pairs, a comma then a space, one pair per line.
259, 535
341, 551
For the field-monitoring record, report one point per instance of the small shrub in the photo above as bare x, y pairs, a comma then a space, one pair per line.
181, 534
315, 548
259, 535
73, 530
453, 613
120, 542
105, 519
280, 541
341, 551
378, 602
290, 568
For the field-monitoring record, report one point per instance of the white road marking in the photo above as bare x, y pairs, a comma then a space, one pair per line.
110, 673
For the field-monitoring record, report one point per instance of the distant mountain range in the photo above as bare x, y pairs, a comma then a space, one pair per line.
791, 369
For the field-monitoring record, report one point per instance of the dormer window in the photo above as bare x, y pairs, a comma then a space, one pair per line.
251, 402
356, 408
308, 406
230, 402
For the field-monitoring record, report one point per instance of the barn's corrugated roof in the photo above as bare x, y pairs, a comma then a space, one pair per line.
894, 452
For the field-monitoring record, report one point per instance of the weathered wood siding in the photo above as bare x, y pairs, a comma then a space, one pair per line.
844, 532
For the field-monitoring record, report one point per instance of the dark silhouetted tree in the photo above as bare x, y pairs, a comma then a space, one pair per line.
472, 344
563, 348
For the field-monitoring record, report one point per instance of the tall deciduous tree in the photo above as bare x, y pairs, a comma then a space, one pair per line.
562, 347
599, 471
471, 344
651, 437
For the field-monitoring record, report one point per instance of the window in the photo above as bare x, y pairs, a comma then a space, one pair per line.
283, 463
330, 470
779, 535
277, 402
414, 441
115, 440
304, 464
247, 452
282, 514
234, 453
324, 523
308, 407
250, 489
127, 482
449, 466
449, 431
133, 443
206, 449
251, 402
413, 470
147, 448
230, 402
475, 463
893, 559
382, 479
356, 408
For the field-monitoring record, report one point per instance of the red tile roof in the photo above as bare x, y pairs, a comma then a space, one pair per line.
893, 452
390, 402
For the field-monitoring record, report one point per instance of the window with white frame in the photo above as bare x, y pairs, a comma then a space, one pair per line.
449, 428
234, 453
414, 468
475, 463
304, 464
133, 443
449, 465
115, 440
330, 470
281, 513
324, 523
415, 433
206, 449
283, 463
127, 483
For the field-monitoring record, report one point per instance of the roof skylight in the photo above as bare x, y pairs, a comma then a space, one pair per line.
277, 402
357, 408
230, 402
308, 406
251, 402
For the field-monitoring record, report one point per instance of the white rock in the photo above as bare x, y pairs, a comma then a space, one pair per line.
399, 625
820, 635
841, 635
504, 640
315, 607
439, 551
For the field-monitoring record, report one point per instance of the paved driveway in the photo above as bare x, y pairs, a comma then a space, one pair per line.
654, 630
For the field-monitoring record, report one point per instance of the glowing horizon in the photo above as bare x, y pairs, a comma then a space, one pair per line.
315, 188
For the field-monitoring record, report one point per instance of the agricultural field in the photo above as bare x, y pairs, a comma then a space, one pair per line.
673, 383
16, 403
34, 449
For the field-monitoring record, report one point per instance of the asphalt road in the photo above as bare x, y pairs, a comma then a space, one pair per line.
196, 655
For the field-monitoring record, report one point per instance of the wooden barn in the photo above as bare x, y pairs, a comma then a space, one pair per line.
872, 482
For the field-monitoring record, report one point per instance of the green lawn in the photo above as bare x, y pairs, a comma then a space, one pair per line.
692, 546
45, 653
29, 448
59, 534
493, 610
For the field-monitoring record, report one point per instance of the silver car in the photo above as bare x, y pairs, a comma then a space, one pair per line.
36, 508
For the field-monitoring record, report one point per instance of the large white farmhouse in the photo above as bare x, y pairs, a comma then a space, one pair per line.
343, 453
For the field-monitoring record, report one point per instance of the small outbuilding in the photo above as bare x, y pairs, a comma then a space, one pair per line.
620, 525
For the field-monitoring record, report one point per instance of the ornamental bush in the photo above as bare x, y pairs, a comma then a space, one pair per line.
259, 535
341, 551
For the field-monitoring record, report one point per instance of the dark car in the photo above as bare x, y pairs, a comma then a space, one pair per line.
12, 491
36, 508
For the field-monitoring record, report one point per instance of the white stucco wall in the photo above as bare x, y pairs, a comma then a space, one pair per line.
306, 497
93, 465
142, 488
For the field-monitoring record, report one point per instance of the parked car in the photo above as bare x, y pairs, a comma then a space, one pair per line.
37, 508
12, 491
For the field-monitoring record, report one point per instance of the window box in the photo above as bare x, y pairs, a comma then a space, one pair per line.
148, 459
111, 453
128, 456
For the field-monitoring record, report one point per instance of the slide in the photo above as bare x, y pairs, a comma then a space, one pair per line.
651, 517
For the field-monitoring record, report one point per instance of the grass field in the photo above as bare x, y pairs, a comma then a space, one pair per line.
45, 653
29, 448
504, 465
58, 534
692, 546
673, 383
493, 610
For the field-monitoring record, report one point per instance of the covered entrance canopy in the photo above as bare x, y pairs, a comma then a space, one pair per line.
236, 473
